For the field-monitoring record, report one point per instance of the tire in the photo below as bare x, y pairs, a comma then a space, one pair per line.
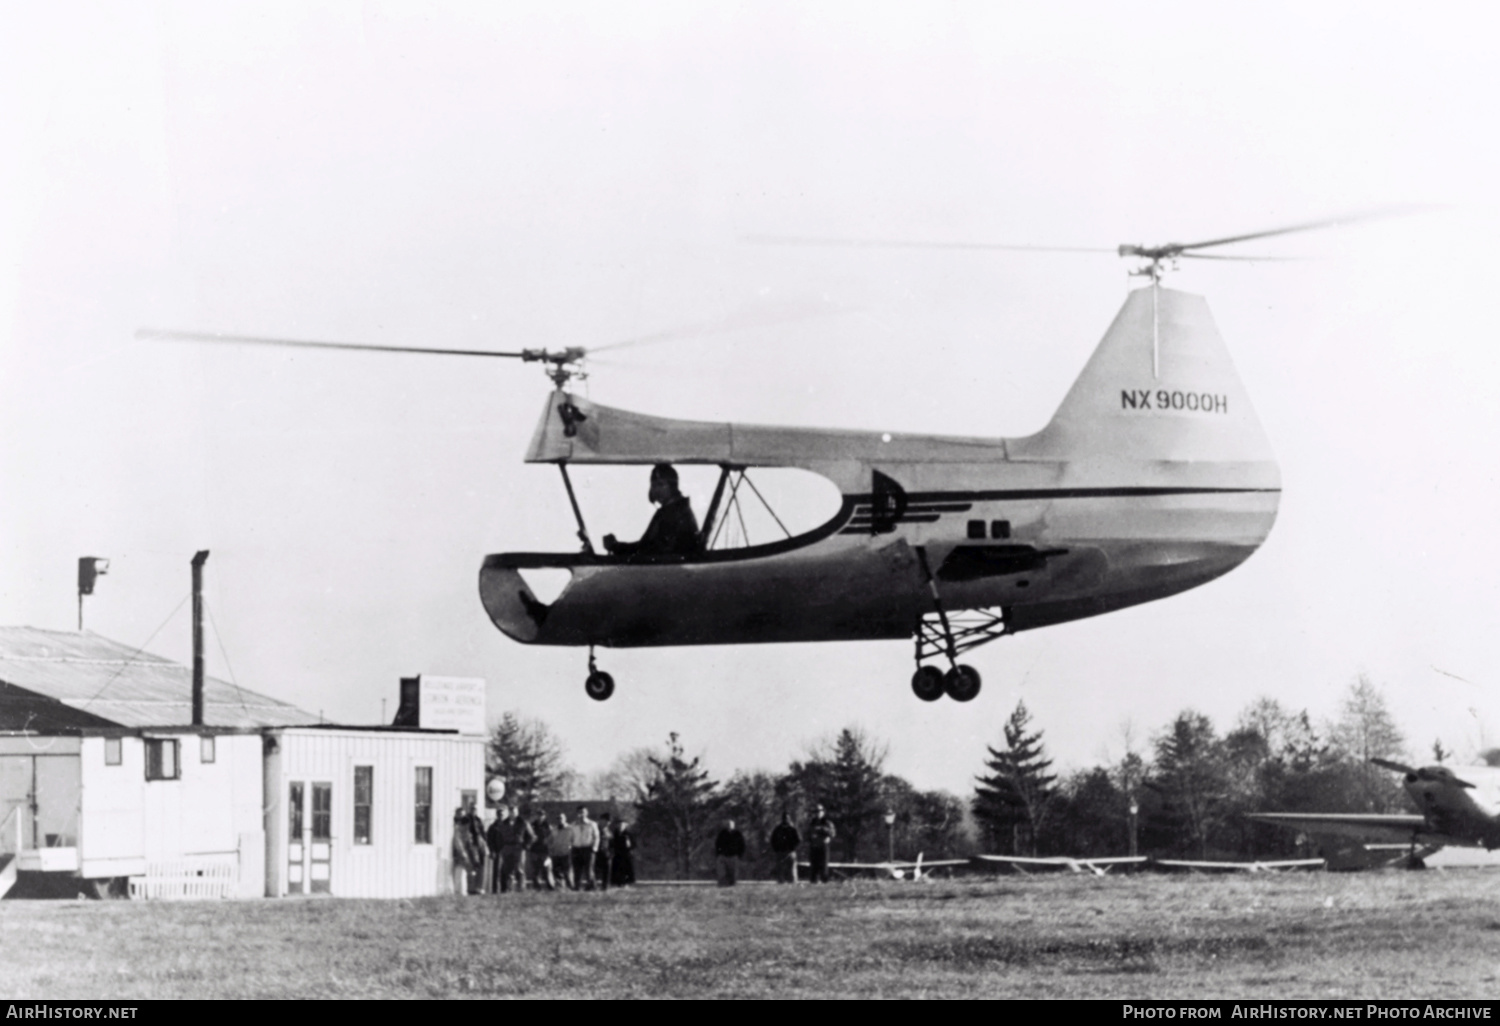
927, 683
962, 683
599, 685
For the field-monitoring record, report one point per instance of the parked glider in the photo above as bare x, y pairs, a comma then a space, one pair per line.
1097, 866
916, 871
1211, 866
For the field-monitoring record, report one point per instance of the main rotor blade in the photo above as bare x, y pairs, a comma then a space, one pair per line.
1305, 226
1246, 259
254, 340
795, 240
1398, 767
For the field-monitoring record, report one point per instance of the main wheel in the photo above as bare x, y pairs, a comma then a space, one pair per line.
599, 686
927, 683
961, 683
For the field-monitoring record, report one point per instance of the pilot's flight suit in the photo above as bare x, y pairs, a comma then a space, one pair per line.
673, 531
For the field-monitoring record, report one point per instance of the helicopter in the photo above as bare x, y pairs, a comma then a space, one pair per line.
1153, 477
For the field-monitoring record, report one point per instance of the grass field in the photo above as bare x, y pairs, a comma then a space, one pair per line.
1363, 935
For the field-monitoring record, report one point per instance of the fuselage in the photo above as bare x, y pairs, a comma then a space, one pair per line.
1154, 477
1463, 815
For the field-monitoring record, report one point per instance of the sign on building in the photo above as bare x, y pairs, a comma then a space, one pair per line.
443, 703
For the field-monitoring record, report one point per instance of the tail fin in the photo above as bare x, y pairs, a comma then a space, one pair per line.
1159, 387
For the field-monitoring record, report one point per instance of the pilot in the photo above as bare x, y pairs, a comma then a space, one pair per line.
673, 530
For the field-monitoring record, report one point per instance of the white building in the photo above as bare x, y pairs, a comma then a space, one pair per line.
103, 783
365, 813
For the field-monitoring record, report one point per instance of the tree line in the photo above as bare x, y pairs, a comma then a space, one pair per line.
1183, 794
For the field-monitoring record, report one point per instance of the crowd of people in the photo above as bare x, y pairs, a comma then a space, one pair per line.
523, 849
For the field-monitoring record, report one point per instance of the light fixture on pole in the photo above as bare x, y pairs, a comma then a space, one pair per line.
90, 568
1135, 810
890, 835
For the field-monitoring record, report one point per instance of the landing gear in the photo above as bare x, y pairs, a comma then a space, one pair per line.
939, 634
962, 683
599, 684
927, 683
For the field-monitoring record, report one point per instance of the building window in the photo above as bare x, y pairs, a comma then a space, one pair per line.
424, 805
294, 812
161, 759
206, 749
112, 756
322, 812
364, 798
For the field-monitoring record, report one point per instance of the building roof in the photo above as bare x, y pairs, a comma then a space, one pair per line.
53, 679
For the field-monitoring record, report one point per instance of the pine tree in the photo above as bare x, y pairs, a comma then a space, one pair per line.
529, 758
1192, 777
679, 805
1012, 802
845, 775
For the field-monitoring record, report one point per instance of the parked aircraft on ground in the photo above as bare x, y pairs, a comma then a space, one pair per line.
1020, 864
916, 871
1458, 808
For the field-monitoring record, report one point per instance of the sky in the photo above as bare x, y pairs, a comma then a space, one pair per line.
525, 175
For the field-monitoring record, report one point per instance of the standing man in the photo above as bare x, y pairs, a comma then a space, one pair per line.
604, 854
539, 859
560, 848
623, 863
585, 844
467, 849
820, 834
784, 841
729, 848
494, 839
514, 836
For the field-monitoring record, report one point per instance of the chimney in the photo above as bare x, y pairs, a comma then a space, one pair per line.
198, 561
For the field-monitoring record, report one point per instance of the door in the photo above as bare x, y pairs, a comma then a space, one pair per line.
320, 851
296, 846
58, 791
17, 821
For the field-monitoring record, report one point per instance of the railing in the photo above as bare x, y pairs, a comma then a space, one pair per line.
5, 831
186, 880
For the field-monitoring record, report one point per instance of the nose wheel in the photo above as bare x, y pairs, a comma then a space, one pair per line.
598, 685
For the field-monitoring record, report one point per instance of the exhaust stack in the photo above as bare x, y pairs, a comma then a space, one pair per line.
198, 561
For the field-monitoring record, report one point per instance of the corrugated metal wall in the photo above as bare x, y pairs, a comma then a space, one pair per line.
394, 864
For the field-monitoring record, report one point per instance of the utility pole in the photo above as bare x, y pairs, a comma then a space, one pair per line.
198, 561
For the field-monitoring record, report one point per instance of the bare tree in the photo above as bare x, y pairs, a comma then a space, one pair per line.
1366, 730
628, 779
